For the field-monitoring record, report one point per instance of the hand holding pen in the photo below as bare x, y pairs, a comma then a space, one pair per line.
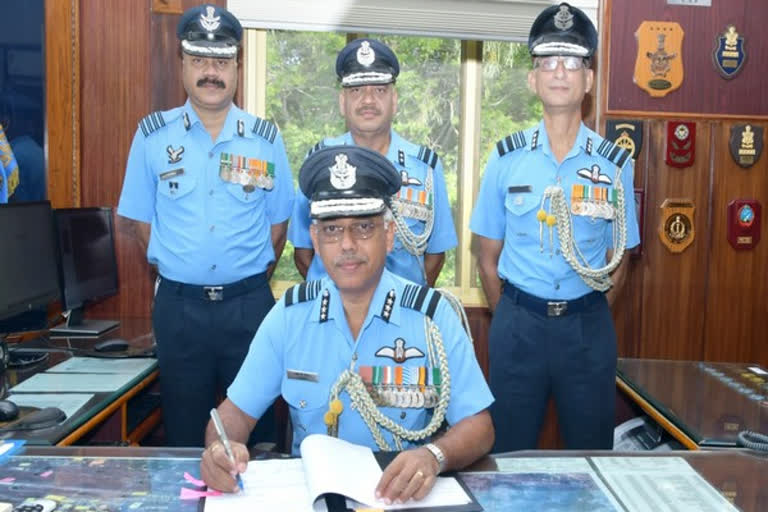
225, 441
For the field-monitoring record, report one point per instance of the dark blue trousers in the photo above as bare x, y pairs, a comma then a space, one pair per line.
571, 358
201, 344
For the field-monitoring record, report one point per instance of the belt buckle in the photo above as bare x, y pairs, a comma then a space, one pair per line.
214, 292
557, 308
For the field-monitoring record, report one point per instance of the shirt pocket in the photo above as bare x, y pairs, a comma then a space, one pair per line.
175, 186
242, 196
308, 400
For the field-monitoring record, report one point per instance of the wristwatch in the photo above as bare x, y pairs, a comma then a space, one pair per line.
439, 455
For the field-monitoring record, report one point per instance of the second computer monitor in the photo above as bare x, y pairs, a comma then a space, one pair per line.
88, 266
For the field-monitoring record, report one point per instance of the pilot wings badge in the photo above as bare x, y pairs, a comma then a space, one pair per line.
399, 353
659, 63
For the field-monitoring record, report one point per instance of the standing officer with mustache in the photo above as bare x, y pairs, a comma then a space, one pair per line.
208, 188
367, 70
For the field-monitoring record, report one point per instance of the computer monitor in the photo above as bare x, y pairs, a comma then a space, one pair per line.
29, 277
88, 267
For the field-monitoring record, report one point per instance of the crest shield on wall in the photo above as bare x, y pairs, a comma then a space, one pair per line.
676, 228
625, 133
681, 143
659, 62
746, 144
729, 54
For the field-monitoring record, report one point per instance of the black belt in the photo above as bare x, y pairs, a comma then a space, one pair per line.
216, 293
546, 307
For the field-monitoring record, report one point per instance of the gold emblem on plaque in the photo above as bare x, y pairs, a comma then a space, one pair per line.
676, 229
659, 66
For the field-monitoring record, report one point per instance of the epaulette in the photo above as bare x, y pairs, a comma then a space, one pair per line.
151, 123
612, 152
303, 292
421, 298
427, 156
265, 129
511, 143
317, 147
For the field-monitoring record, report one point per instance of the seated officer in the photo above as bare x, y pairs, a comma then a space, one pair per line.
389, 356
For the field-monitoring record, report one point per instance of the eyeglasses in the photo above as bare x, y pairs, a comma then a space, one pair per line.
217, 64
570, 63
360, 230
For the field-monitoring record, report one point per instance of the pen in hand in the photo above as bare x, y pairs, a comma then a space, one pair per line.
225, 441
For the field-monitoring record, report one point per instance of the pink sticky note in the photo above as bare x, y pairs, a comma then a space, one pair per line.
7, 480
192, 494
194, 481
46, 474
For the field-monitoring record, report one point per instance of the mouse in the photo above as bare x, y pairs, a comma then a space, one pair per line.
113, 345
44, 418
9, 411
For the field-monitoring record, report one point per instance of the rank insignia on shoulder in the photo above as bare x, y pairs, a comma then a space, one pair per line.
427, 156
746, 144
421, 298
625, 133
681, 143
151, 123
399, 353
612, 152
729, 54
265, 129
511, 143
303, 292
317, 147
174, 155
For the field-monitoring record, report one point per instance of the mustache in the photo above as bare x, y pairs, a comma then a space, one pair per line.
363, 110
345, 259
213, 81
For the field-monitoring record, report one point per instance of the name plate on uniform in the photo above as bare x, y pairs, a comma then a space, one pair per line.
676, 228
744, 223
691, 3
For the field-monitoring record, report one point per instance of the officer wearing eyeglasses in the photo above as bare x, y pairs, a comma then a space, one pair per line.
209, 191
361, 354
553, 218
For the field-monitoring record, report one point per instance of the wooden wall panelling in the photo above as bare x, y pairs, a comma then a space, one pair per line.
737, 308
62, 71
674, 285
703, 92
116, 94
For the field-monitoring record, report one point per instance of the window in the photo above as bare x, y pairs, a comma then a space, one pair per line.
446, 88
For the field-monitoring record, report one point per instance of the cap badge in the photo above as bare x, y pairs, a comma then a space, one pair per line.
343, 174
365, 54
209, 21
564, 18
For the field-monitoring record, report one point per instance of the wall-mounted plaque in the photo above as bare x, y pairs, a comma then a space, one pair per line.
746, 144
625, 133
676, 229
728, 55
681, 143
659, 62
744, 223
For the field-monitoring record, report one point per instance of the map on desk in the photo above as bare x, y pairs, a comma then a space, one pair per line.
103, 484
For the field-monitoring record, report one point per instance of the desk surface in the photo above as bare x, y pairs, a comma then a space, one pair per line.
710, 402
136, 331
117, 479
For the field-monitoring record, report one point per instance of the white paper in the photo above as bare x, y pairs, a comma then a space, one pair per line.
661, 484
101, 365
70, 403
757, 370
74, 382
328, 465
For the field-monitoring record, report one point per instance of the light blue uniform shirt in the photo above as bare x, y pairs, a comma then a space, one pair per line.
409, 160
324, 347
518, 170
205, 230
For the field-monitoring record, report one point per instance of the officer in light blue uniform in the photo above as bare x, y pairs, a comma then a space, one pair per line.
217, 196
553, 219
406, 350
422, 202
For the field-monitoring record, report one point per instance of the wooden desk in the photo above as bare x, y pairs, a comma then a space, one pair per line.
105, 417
700, 404
127, 478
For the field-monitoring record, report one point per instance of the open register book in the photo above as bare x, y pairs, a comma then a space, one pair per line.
329, 465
